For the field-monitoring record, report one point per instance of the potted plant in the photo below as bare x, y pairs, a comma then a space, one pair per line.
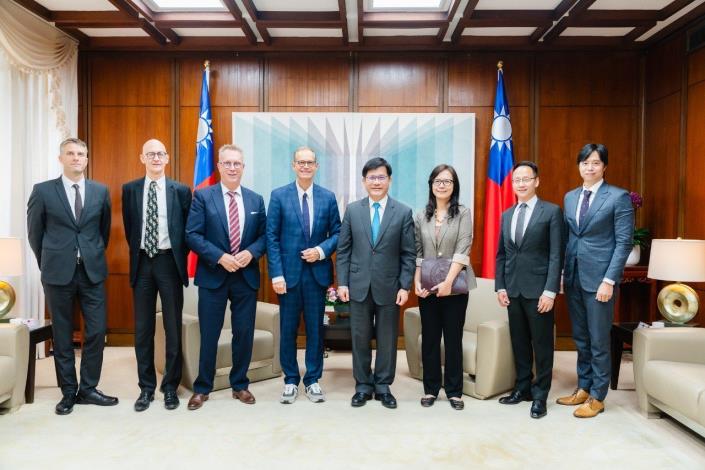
640, 239
334, 304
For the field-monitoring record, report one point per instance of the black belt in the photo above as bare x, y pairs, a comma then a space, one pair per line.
159, 252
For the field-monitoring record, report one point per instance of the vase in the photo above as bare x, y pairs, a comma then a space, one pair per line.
634, 256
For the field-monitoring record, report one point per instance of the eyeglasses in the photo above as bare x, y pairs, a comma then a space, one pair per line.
231, 165
594, 163
524, 180
376, 179
442, 183
153, 155
306, 163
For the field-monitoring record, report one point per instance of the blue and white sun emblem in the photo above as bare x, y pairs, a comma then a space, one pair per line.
205, 131
501, 130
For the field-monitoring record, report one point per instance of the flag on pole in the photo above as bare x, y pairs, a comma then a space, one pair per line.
203, 172
499, 195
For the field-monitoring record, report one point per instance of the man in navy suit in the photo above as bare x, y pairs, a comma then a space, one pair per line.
302, 234
226, 228
600, 222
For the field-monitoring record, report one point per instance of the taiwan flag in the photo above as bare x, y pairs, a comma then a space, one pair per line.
499, 195
203, 171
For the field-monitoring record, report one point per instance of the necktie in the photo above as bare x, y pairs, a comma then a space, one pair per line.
375, 223
519, 229
78, 204
306, 218
151, 242
234, 224
584, 207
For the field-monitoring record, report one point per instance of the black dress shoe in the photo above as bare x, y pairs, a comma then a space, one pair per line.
538, 409
360, 398
515, 397
65, 406
428, 401
457, 404
387, 399
171, 400
95, 397
144, 400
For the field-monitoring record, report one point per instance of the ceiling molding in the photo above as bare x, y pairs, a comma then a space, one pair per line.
254, 15
237, 14
467, 13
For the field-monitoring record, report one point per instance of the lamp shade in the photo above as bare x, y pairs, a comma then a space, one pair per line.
677, 260
10, 257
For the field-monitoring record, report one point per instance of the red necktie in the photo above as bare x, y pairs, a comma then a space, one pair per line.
234, 224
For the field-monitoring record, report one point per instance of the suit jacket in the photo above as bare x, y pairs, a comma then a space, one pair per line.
178, 202
55, 235
286, 239
454, 241
601, 245
535, 265
382, 268
207, 234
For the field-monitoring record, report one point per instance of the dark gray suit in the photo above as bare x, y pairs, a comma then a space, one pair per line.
55, 237
374, 274
525, 271
595, 250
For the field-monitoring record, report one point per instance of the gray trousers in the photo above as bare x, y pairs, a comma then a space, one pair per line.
367, 317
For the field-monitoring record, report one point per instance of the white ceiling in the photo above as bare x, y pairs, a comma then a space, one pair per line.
77, 5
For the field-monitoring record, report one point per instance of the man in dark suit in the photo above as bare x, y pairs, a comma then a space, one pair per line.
375, 263
600, 222
303, 223
154, 212
528, 272
226, 228
68, 224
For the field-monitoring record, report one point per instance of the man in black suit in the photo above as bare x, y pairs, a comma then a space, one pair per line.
154, 212
68, 225
528, 272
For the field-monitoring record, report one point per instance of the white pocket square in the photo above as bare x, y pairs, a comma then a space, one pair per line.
254, 212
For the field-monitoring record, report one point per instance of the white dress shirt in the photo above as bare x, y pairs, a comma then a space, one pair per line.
240, 206
163, 242
382, 205
594, 188
71, 195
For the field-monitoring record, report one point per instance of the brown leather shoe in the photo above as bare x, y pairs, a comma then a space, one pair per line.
196, 401
578, 397
244, 396
591, 408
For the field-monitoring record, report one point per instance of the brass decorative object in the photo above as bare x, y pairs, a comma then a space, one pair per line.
7, 298
678, 303
10, 266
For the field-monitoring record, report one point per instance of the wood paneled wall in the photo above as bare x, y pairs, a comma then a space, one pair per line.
559, 101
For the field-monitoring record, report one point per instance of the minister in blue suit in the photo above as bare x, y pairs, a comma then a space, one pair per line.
302, 234
226, 228
600, 222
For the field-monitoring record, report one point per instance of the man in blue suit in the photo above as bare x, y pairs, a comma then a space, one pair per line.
600, 222
226, 228
302, 234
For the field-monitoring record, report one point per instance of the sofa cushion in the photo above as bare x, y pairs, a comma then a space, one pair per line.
262, 347
7, 375
469, 352
680, 385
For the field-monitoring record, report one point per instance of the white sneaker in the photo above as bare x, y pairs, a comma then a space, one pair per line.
314, 393
289, 394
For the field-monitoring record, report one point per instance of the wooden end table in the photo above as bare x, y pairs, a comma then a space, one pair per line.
36, 336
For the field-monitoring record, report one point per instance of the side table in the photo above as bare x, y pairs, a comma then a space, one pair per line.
36, 336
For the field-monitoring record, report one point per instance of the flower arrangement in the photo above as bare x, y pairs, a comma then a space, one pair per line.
641, 234
334, 304
332, 297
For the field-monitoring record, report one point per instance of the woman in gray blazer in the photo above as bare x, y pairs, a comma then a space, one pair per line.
443, 230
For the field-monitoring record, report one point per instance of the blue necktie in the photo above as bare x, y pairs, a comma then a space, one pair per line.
584, 207
375, 223
306, 219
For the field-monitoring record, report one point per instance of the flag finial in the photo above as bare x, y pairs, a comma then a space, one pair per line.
500, 64
206, 64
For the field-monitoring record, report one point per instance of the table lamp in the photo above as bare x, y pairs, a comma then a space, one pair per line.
10, 265
682, 261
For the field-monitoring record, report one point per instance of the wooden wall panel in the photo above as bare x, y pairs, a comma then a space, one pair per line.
694, 202
664, 69
314, 82
130, 81
233, 82
661, 166
472, 80
696, 67
385, 82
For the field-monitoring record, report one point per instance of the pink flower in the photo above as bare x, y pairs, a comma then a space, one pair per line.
637, 200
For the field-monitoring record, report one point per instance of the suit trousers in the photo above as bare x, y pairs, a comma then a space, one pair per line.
591, 321
443, 317
307, 296
60, 300
531, 333
366, 317
158, 275
211, 315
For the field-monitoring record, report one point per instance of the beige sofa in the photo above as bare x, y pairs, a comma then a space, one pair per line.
669, 373
265, 351
14, 355
488, 362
